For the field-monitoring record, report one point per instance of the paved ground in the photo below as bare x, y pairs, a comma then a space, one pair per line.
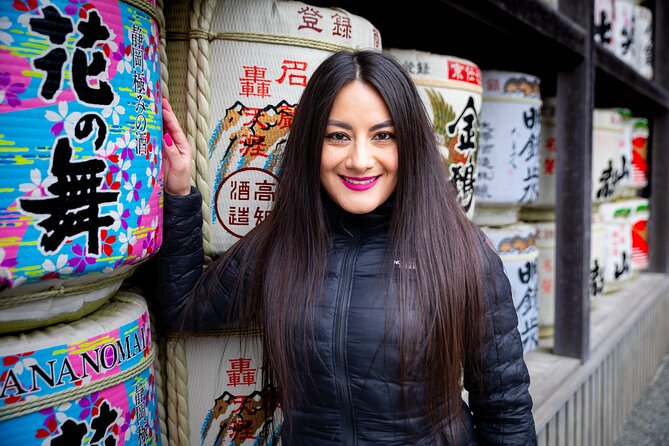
648, 424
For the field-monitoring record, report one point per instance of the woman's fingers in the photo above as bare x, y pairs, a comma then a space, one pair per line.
177, 163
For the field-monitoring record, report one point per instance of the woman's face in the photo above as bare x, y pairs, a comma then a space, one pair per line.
359, 159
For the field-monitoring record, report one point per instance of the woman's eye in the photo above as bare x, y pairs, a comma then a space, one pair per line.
336, 136
384, 136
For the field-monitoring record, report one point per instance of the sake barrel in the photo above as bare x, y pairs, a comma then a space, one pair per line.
603, 23
623, 178
87, 382
640, 153
546, 277
509, 157
451, 90
607, 135
517, 247
644, 40
639, 217
546, 192
616, 217
80, 163
598, 249
624, 31
264, 53
215, 391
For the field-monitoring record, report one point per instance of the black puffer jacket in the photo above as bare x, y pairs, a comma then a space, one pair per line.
354, 396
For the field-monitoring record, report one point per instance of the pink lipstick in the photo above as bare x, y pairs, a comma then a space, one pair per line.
359, 183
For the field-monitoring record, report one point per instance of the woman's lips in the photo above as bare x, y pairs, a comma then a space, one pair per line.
359, 183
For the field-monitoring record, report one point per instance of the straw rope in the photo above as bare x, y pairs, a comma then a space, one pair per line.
30, 406
177, 394
164, 73
63, 291
272, 39
149, 9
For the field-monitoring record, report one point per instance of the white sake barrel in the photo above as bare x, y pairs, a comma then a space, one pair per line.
259, 56
87, 382
509, 147
516, 245
607, 136
546, 279
623, 180
451, 90
603, 23
216, 390
546, 193
80, 168
640, 216
644, 40
624, 30
616, 217
598, 249
640, 153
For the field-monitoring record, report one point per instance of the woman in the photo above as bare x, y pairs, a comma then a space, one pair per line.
375, 293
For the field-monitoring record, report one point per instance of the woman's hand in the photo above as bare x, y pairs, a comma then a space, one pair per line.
177, 159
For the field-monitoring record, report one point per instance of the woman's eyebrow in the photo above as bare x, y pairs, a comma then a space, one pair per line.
381, 125
342, 124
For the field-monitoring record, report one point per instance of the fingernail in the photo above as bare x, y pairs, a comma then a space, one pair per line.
168, 139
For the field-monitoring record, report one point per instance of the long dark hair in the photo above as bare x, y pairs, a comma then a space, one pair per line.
428, 230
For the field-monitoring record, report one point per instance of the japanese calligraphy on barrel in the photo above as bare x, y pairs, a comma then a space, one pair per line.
640, 153
80, 148
546, 193
623, 167
267, 52
517, 247
607, 140
546, 276
643, 28
451, 90
624, 30
597, 255
88, 382
509, 152
230, 402
603, 23
617, 221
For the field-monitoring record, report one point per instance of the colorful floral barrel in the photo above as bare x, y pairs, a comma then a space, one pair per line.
640, 153
216, 393
546, 193
264, 53
90, 382
639, 217
603, 23
643, 27
452, 92
624, 31
616, 217
517, 247
546, 272
598, 249
509, 152
80, 153
607, 138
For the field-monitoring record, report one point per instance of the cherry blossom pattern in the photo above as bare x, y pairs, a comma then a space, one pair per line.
73, 6
37, 186
133, 186
54, 417
57, 271
108, 241
120, 216
114, 110
5, 37
63, 120
5, 272
80, 259
9, 91
143, 209
17, 364
128, 240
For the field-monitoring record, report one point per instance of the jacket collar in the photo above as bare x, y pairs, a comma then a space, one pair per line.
343, 221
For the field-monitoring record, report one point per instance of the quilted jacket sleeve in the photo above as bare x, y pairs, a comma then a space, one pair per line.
189, 298
501, 406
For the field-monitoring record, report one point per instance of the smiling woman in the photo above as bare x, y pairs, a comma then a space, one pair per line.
359, 159
377, 297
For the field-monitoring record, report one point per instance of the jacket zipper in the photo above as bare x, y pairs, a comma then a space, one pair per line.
341, 367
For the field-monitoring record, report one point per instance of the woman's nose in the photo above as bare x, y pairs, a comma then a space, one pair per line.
360, 158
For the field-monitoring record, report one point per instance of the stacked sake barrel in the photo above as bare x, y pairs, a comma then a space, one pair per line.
509, 152
451, 90
237, 118
626, 29
619, 174
80, 208
517, 247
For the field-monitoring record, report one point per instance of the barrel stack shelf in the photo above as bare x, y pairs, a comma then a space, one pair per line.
589, 374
